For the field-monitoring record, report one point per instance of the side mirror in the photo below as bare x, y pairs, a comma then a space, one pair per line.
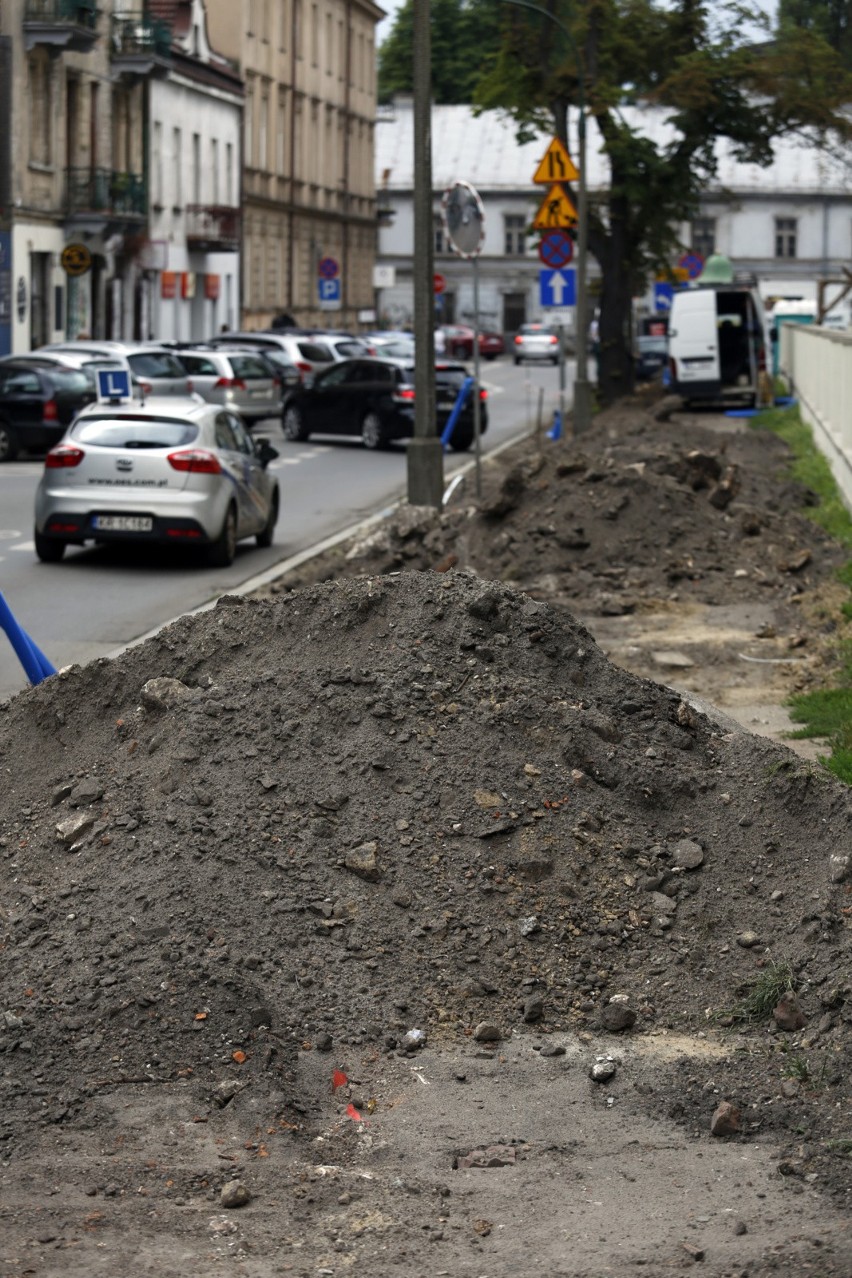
264, 452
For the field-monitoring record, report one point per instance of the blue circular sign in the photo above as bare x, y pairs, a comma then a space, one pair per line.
693, 264
556, 249
328, 268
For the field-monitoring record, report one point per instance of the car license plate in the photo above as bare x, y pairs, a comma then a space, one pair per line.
123, 523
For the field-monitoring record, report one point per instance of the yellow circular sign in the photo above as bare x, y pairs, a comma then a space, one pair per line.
76, 259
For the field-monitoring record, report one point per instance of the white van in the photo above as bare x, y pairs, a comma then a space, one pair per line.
717, 345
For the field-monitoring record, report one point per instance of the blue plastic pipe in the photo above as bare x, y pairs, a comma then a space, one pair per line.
35, 663
461, 399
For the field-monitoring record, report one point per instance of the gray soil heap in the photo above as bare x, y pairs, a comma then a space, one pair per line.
275, 867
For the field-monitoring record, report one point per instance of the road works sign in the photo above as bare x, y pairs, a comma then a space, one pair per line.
556, 210
556, 165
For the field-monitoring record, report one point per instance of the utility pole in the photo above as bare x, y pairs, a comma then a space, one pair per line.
425, 453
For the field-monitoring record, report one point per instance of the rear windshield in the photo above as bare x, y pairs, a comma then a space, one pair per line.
536, 330
315, 353
130, 432
351, 349
199, 365
450, 377
71, 380
155, 364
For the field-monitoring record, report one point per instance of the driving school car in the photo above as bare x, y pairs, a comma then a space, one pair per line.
174, 471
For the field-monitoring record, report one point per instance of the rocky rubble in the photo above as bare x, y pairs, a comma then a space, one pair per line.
401, 815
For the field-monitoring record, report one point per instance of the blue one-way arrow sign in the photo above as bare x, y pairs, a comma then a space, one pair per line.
557, 288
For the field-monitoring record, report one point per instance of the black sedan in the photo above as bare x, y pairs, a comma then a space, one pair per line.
37, 403
374, 398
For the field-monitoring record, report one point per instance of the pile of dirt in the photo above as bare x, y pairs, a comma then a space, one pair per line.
397, 818
681, 543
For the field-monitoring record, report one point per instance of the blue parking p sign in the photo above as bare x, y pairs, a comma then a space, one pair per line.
329, 294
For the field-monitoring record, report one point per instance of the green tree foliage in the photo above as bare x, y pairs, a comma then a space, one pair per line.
690, 58
831, 19
698, 61
465, 37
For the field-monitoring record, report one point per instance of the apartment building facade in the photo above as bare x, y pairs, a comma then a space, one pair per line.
308, 186
82, 250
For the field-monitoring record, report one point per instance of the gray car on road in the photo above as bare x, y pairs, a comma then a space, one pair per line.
177, 472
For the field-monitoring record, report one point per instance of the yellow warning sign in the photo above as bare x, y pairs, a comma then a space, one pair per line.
556, 165
556, 210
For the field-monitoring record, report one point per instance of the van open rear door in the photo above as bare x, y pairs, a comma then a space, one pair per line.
694, 343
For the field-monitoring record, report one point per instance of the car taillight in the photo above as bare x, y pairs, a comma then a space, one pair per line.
50, 412
276, 382
230, 383
304, 368
63, 456
189, 386
405, 392
145, 387
483, 395
518, 340
196, 460
553, 339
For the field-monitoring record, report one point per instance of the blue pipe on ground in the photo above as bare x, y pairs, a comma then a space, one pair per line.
35, 663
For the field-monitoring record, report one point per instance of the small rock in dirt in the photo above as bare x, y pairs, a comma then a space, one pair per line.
748, 940
725, 1120
533, 1008
552, 1049
787, 1013
73, 828
696, 1253
86, 791
163, 693
487, 1032
617, 1016
234, 1194
362, 861
602, 1070
490, 1156
740, 1228
687, 855
413, 1040
323, 1042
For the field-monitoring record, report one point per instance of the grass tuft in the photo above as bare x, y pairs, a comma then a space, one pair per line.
775, 980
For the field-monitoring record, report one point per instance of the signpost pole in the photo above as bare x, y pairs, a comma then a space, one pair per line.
477, 409
425, 456
582, 388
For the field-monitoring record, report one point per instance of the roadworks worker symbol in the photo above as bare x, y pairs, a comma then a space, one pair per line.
556, 165
556, 210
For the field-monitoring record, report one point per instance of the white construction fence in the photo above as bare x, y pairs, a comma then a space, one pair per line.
817, 363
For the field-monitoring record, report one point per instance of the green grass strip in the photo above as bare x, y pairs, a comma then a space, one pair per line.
826, 713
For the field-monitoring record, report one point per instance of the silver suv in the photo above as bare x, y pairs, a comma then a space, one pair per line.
308, 354
153, 367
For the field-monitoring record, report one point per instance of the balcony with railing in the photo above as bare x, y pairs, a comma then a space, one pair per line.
212, 228
105, 197
70, 25
140, 45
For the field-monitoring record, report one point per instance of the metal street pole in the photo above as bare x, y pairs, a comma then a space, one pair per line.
477, 403
425, 454
582, 388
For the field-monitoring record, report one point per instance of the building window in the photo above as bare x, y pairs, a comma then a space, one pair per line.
704, 236
515, 228
440, 235
263, 158
785, 237
157, 174
40, 108
177, 157
229, 174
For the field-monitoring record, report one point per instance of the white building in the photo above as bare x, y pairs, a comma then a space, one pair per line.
193, 255
787, 224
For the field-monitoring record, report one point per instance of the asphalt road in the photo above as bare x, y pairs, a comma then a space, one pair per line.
98, 598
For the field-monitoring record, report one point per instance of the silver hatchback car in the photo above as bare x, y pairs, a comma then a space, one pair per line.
154, 368
242, 380
174, 471
536, 341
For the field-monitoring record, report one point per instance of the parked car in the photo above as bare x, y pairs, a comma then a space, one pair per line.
172, 471
536, 341
343, 345
307, 354
651, 357
38, 401
374, 398
393, 348
88, 364
458, 342
242, 380
155, 366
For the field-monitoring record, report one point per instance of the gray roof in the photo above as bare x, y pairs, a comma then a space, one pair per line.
483, 150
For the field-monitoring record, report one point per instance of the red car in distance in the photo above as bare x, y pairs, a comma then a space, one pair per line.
458, 342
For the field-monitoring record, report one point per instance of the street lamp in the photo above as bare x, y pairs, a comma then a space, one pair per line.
582, 388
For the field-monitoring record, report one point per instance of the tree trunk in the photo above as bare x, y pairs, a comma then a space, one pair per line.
615, 305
